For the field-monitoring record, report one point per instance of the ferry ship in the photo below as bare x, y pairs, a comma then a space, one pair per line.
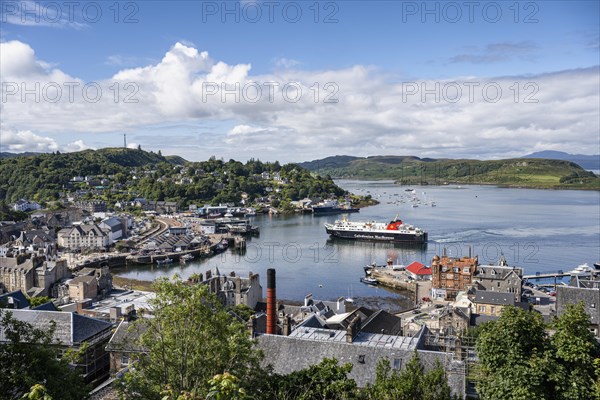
394, 231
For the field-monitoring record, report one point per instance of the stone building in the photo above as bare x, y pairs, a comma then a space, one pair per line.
73, 331
500, 278
233, 290
491, 303
34, 276
451, 275
83, 237
91, 283
307, 346
586, 290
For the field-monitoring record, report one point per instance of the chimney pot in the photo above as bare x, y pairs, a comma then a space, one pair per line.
271, 303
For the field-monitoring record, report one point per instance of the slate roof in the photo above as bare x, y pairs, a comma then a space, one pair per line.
71, 329
113, 223
291, 353
17, 298
125, 338
496, 271
85, 278
11, 263
496, 298
49, 306
382, 321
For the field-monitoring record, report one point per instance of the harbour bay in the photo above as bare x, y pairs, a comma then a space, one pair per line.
539, 230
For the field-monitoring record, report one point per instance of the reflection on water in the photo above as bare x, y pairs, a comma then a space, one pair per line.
539, 230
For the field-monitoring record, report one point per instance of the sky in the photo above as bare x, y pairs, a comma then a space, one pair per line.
301, 80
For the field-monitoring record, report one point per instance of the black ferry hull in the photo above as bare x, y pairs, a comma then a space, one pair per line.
379, 236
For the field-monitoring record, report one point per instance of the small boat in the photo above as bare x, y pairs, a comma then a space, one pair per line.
228, 215
369, 281
164, 261
185, 258
582, 269
415, 205
222, 245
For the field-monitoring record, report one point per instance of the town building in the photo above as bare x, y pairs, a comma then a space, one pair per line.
83, 237
73, 332
114, 227
25, 205
585, 290
34, 276
307, 346
418, 271
91, 283
93, 206
233, 290
500, 278
491, 303
451, 275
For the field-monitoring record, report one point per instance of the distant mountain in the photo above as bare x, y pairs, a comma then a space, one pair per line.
345, 161
584, 161
6, 154
411, 170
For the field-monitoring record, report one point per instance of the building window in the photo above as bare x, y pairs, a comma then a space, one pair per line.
456, 277
593, 305
443, 276
125, 359
397, 363
481, 309
466, 270
493, 309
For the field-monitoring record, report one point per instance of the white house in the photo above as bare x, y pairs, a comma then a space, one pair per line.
25, 205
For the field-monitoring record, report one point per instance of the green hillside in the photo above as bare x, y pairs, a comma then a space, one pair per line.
115, 174
44, 175
535, 173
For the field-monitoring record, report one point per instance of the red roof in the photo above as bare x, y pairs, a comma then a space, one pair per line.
418, 269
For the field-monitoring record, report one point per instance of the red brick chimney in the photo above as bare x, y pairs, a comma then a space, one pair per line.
271, 303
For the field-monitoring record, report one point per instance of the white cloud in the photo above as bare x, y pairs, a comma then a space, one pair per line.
21, 141
373, 115
77, 145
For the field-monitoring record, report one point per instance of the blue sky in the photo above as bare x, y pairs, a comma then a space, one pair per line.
374, 47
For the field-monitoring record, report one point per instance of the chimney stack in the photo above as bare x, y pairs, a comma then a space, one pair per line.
271, 303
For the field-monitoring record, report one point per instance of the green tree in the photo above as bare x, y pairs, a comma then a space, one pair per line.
37, 392
38, 301
188, 341
226, 387
325, 381
28, 358
515, 357
411, 383
576, 351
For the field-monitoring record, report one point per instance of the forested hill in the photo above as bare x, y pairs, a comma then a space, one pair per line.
115, 174
535, 173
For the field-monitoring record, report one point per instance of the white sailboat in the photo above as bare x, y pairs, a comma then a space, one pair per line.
349, 299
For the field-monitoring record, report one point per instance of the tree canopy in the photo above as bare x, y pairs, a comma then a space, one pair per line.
29, 366
189, 340
520, 361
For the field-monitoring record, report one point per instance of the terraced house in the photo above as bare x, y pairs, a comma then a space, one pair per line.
83, 237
